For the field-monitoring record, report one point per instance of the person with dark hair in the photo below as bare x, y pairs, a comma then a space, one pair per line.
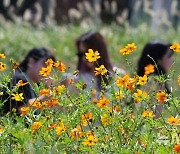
94, 41
27, 72
159, 56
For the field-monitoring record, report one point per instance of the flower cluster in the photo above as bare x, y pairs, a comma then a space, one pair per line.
46, 71
129, 48
122, 116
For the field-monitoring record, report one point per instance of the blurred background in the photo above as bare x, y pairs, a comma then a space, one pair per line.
155, 13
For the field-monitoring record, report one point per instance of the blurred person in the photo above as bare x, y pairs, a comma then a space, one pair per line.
94, 41
45, 4
26, 4
4, 11
160, 56
28, 73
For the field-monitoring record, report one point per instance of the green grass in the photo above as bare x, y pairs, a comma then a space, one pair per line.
17, 40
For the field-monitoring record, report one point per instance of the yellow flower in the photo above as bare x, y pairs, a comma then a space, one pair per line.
148, 113
49, 62
36, 126
140, 95
100, 70
123, 82
149, 69
2, 66
1, 130
124, 51
92, 56
60, 129
59, 90
175, 47
45, 92
128, 49
24, 110
119, 95
86, 118
173, 121
60, 66
18, 97
105, 119
77, 133
90, 141
21, 83
45, 71
103, 102
179, 79
161, 96
142, 80
2, 56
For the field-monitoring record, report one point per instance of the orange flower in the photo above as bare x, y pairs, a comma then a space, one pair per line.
177, 148
123, 82
86, 118
52, 102
116, 108
148, 113
100, 70
45, 92
131, 47
24, 110
173, 121
142, 80
21, 83
49, 62
179, 79
161, 96
53, 125
140, 95
36, 126
124, 51
2, 66
60, 66
175, 47
131, 84
149, 69
103, 102
128, 49
60, 129
77, 133
36, 104
1, 130
2, 56
90, 141
45, 71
